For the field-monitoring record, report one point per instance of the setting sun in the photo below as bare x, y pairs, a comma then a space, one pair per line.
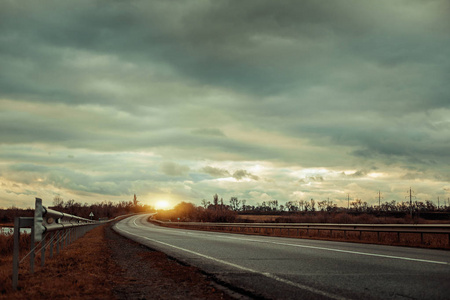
162, 204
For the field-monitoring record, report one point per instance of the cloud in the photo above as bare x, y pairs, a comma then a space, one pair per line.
209, 131
359, 173
173, 169
316, 178
127, 100
215, 172
241, 174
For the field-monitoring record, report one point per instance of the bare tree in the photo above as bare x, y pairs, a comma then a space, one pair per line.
301, 203
58, 201
320, 206
243, 204
235, 203
307, 205
291, 206
205, 203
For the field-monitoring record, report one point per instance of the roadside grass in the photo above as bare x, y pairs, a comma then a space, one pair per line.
80, 271
7, 243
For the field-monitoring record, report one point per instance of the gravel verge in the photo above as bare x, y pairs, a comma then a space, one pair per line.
149, 274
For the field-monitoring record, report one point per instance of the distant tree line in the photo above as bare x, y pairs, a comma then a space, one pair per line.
219, 211
325, 206
100, 210
300, 211
357, 206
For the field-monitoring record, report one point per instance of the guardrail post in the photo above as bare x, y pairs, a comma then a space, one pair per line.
43, 251
58, 233
52, 240
33, 254
15, 276
63, 238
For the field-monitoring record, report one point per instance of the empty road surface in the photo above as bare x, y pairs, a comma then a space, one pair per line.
288, 268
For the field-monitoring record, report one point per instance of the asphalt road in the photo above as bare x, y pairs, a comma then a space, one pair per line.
288, 268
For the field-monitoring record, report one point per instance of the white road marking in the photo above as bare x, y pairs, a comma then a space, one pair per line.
346, 251
268, 275
329, 249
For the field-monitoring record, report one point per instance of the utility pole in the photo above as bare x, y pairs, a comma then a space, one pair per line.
438, 202
379, 199
348, 200
410, 201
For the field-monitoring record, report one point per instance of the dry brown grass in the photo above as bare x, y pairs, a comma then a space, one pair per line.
79, 272
7, 243
258, 218
104, 265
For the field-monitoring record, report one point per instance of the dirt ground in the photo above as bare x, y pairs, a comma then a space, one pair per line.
105, 265
148, 274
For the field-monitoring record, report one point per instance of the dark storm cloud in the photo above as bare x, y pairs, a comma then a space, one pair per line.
262, 47
343, 85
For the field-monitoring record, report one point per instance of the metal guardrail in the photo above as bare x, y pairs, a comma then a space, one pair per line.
53, 230
294, 229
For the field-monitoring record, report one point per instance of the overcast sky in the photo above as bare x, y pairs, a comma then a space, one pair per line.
262, 100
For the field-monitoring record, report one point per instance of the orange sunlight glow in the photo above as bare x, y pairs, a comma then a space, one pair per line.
162, 204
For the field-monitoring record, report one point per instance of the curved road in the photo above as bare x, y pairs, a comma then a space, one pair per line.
287, 268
